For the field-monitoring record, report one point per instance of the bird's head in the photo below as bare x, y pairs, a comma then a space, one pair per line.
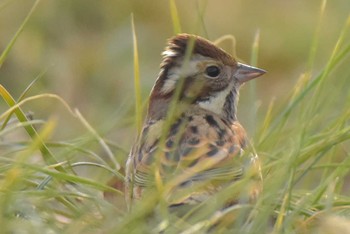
208, 77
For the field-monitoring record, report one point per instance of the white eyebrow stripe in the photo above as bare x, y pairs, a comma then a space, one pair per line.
169, 53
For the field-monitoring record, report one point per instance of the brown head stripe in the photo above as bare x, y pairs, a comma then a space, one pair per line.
179, 43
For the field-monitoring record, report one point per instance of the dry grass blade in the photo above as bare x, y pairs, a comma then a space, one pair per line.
99, 138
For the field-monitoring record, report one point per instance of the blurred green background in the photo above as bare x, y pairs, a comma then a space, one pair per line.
85, 49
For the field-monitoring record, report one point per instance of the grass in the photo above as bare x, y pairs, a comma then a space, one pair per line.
57, 186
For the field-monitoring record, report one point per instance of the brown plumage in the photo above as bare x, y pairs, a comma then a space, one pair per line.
196, 149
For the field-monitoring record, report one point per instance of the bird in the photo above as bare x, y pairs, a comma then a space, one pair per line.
191, 144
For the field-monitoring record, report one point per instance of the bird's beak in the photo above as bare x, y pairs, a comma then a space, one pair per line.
245, 72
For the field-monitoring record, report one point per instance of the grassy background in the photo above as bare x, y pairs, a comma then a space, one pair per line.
297, 115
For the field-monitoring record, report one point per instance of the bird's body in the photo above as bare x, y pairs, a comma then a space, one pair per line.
191, 143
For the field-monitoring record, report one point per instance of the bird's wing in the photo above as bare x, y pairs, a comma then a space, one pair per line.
197, 149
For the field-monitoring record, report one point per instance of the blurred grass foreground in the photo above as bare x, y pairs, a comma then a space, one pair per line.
67, 112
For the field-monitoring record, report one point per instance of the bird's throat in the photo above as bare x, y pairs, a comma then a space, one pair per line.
223, 103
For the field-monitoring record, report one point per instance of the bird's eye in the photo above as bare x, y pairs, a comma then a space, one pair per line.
212, 71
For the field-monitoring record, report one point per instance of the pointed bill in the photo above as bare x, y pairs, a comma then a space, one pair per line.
245, 72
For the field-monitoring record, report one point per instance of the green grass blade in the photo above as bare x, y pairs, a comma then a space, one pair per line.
252, 86
13, 40
23, 94
201, 16
315, 40
175, 17
48, 157
62, 175
137, 85
334, 60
